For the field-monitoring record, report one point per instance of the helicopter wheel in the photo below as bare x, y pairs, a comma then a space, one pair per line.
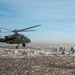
16, 47
23, 44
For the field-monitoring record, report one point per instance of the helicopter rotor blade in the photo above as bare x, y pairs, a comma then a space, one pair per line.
21, 31
4, 28
26, 28
7, 32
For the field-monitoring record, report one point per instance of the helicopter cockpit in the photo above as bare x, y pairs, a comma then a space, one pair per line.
22, 36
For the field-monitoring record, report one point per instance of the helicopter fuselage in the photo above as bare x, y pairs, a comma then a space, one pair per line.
16, 39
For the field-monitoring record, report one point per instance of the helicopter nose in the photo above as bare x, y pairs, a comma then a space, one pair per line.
29, 40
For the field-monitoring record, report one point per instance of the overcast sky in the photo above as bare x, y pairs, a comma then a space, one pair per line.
57, 19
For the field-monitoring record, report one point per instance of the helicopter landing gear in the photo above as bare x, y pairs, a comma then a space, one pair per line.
17, 46
23, 44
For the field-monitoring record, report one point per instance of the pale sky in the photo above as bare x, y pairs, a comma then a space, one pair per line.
57, 19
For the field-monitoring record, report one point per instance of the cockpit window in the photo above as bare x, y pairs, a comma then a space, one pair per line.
22, 36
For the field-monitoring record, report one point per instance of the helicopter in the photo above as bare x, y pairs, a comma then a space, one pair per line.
17, 38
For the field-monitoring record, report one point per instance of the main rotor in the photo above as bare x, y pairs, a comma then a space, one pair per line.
21, 30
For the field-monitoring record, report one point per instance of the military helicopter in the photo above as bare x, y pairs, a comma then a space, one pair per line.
17, 38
